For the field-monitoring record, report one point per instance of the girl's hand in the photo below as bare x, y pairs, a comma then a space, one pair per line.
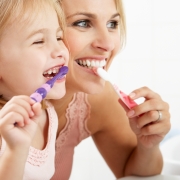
149, 125
18, 121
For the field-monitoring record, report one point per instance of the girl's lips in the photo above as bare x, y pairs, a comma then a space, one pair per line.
61, 80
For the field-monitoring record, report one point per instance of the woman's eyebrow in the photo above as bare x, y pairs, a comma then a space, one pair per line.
115, 15
90, 15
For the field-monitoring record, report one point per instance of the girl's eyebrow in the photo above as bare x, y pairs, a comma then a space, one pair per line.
44, 30
90, 15
36, 32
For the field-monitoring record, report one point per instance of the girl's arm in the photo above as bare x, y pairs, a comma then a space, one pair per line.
18, 124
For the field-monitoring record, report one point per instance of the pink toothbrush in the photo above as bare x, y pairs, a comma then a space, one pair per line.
41, 92
125, 98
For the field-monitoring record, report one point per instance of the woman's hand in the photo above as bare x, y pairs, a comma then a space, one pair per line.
18, 121
150, 121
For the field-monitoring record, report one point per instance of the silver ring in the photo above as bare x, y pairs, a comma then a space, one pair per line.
160, 115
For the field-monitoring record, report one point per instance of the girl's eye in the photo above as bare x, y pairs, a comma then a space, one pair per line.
82, 23
59, 38
38, 42
113, 24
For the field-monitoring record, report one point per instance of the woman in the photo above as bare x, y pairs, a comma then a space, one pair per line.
127, 140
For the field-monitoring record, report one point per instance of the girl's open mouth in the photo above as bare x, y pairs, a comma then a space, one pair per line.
49, 74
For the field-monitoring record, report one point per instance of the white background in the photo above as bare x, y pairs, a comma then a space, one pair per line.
151, 58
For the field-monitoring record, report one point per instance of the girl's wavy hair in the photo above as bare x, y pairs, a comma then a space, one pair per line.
11, 10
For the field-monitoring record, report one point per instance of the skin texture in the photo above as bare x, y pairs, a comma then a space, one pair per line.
25, 54
128, 140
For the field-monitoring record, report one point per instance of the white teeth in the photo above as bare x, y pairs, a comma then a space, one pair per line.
50, 71
92, 63
80, 62
88, 63
97, 63
84, 63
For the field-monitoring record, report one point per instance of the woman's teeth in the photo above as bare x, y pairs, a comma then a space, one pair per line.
91, 63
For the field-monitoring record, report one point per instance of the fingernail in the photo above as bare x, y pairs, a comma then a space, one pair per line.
132, 95
130, 113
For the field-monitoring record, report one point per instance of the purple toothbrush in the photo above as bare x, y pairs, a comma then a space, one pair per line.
41, 92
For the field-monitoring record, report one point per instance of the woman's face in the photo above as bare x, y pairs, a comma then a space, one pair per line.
93, 38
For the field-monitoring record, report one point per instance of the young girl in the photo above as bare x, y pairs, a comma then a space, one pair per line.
31, 52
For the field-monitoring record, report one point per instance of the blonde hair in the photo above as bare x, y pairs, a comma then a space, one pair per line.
120, 9
11, 10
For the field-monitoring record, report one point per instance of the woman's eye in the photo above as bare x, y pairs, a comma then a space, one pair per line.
38, 42
113, 24
82, 23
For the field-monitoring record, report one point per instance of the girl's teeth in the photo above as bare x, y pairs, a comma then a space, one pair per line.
80, 62
49, 72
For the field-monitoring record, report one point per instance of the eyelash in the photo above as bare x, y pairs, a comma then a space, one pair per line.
116, 24
77, 23
88, 24
41, 42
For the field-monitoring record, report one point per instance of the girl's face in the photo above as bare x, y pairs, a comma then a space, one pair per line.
29, 53
93, 38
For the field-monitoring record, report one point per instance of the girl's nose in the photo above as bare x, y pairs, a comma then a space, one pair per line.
60, 51
104, 41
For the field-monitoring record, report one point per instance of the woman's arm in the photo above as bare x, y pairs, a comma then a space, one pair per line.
117, 141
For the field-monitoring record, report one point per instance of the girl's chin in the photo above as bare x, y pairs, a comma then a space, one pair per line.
56, 95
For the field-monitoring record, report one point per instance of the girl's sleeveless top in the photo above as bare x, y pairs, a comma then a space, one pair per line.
40, 163
75, 130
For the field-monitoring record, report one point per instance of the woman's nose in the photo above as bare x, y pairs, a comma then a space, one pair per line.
59, 50
103, 40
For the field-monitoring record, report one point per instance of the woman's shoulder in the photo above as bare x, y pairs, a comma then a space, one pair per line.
105, 109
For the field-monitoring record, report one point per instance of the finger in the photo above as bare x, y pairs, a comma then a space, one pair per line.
37, 111
161, 128
15, 103
10, 120
144, 92
151, 118
150, 105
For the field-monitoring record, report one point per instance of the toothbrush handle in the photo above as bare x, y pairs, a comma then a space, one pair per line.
125, 98
41, 93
